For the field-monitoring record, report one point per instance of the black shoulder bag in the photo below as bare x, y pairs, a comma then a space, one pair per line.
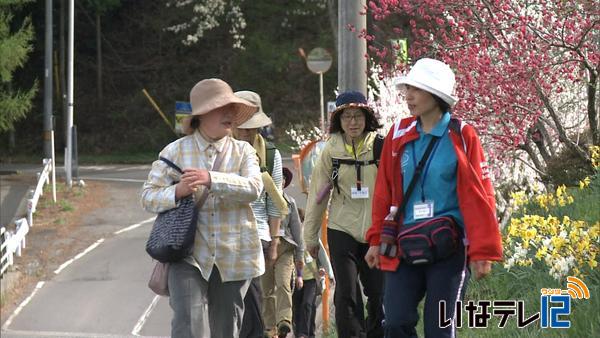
174, 230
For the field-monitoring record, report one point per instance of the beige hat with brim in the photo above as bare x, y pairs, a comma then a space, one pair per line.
210, 94
259, 119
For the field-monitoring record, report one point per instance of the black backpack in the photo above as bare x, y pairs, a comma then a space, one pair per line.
270, 160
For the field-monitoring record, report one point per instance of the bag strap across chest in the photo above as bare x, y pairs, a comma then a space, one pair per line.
215, 167
337, 162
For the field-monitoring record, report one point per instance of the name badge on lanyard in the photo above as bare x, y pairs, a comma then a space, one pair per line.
362, 193
423, 210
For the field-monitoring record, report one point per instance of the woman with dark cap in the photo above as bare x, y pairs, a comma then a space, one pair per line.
345, 173
434, 186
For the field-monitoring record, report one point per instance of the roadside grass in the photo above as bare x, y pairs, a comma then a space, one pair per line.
87, 159
525, 283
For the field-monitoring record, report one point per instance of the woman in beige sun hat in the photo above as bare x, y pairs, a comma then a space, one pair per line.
214, 94
207, 289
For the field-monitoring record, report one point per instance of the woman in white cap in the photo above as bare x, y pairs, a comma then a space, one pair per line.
207, 289
433, 209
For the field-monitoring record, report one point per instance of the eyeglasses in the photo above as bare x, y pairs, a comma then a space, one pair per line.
348, 118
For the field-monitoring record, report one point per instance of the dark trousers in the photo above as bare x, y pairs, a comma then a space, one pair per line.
305, 309
406, 287
253, 325
347, 259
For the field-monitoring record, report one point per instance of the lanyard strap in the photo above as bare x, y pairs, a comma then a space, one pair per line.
357, 166
426, 166
416, 175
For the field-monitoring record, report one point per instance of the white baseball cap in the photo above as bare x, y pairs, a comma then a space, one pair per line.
433, 76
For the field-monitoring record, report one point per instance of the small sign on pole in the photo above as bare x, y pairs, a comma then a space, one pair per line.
330, 106
182, 110
400, 46
319, 61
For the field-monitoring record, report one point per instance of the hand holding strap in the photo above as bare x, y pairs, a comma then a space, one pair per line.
215, 167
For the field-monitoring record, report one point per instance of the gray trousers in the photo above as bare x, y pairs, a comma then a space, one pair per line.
204, 309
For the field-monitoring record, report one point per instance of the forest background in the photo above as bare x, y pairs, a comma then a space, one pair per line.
123, 47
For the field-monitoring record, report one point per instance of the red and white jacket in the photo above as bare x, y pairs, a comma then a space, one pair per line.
474, 189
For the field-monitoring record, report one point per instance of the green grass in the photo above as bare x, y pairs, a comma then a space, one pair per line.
65, 205
87, 159
584, 208
524, 283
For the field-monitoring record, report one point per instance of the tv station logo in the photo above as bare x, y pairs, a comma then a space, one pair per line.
555, 307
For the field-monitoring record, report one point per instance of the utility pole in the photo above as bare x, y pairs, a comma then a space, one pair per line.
352, 64
62, 56
48, 120
70, 46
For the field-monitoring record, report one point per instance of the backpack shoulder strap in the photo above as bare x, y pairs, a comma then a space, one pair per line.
377, 147
455, 126
270, 154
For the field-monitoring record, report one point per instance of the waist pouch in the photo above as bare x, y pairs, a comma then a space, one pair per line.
428, 242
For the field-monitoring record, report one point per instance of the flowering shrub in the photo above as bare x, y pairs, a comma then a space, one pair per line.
563, 245
303, 135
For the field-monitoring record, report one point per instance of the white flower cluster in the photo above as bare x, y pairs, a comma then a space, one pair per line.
519, 254
206, 16
387, 101
303, 135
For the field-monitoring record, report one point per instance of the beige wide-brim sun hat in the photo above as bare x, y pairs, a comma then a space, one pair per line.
259, 119
210, 94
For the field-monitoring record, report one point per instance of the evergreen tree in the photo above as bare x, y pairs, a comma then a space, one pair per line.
15, 45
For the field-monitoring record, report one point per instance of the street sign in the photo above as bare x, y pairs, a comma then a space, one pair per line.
319, 60
182, 110
400, 46
330, 106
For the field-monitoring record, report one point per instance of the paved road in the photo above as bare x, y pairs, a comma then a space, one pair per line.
13, 188
103, 293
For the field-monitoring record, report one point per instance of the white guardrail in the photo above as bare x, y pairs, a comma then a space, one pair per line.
14, 242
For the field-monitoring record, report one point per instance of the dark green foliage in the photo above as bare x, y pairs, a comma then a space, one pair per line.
567, 168
15, 45
138, 52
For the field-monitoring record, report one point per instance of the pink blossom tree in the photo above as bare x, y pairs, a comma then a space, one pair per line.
527, 71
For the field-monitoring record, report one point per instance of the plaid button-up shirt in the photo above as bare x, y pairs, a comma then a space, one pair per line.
226, 235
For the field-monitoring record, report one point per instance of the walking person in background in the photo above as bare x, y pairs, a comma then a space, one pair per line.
345, 172
310, 283
433, 183
269, 209
207, 289
276, 284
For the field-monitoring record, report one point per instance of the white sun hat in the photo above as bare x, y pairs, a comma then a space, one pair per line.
433, 76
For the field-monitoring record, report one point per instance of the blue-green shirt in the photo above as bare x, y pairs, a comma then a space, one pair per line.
438, 178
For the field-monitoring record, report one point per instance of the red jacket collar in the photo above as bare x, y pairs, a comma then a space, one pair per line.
405, 131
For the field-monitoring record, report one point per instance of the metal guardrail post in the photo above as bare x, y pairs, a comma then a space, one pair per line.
9, 249
39, 175
30, 208
14, 242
